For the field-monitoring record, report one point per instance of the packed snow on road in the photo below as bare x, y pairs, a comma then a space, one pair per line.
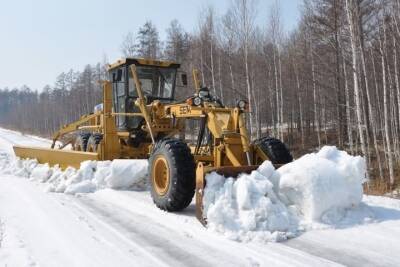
311, 212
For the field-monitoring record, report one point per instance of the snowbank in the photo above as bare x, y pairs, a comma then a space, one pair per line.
270, 204
91, 176
322, 185
122, 170
317, 190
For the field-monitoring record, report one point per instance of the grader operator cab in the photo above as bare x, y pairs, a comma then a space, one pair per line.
140, 119
158, 83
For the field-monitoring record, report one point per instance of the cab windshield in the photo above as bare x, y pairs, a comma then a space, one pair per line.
156, 82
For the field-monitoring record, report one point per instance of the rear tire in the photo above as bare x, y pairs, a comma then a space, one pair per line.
81, 142
276, 151
93, 142
172, 175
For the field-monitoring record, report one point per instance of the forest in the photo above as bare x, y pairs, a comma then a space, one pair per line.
333, 80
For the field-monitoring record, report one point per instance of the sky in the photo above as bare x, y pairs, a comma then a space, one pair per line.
42, 38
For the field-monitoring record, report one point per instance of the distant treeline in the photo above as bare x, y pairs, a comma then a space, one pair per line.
73, 94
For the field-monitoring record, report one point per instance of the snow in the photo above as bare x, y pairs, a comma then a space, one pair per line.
247, 208
41, 173
91, 175
273, 205
125, 173
9, 138
112, 227
322, 185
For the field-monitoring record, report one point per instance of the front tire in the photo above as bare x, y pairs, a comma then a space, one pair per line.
276, 151
172, 175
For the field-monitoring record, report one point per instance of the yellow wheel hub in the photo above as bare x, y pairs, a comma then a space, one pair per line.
160, 175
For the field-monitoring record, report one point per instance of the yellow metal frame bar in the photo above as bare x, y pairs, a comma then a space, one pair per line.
127, 114
140, 102
72, 127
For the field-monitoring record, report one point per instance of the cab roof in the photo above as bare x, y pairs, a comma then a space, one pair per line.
142, 62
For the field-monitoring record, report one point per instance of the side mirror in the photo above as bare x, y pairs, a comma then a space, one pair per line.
184, 79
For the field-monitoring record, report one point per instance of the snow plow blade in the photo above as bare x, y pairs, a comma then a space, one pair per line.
226, 171
63, 158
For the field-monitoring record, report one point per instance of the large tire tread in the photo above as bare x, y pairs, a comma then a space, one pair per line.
81, 142
275, 149
182, 175
93, 142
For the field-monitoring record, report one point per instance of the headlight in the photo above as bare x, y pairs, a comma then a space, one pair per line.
204, 92
197, 101
242, 104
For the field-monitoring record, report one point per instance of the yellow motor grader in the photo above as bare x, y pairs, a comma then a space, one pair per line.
140, 119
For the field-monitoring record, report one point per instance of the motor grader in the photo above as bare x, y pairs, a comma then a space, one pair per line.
140, 119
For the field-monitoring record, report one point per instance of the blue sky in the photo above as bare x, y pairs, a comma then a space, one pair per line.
42, 38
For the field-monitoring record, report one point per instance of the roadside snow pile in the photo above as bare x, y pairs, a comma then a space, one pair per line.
273, 205
91, 176
323, 185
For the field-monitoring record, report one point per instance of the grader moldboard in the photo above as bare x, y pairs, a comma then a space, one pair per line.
140, 119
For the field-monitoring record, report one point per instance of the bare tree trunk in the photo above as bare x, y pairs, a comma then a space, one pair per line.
202, 65
391, 108
277, 95
348, 113
397, 87
220, 79
385, 107
378, 105
316, 119
296, 73
271, 101
231, 74
371, 115
365, 116
212, 59
256, 112
324, 117
281, 93
246, 63
353, 41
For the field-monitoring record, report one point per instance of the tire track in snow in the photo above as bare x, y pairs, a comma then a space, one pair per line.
212, 246
196, 242
348, 255
54, 214
337, 255
148, 237
91, 215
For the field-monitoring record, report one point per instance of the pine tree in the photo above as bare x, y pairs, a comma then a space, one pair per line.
148, 41
177, 43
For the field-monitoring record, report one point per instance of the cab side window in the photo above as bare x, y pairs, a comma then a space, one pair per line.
118, 78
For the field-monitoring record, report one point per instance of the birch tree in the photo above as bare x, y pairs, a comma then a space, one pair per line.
352, 18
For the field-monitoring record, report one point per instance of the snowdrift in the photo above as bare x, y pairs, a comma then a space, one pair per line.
271, 204
91, 176
316, 190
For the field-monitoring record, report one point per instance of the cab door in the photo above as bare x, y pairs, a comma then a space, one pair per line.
119, 95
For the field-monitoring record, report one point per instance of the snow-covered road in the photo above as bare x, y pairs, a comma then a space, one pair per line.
124, 228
